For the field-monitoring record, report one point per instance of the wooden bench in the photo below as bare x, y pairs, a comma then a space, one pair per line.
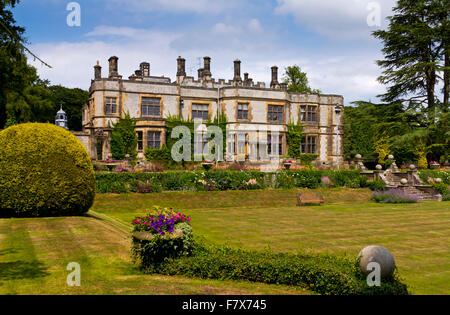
309, 198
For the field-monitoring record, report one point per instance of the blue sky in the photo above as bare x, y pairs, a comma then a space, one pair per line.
329, 39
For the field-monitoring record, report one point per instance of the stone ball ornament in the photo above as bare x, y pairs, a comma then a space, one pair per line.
379, 167
379, 255
358, 156
412, 167
404, 181
390, 157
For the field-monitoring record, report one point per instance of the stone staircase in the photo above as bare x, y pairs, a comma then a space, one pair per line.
409, 182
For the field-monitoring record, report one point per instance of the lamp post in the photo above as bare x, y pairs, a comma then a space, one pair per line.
338, 111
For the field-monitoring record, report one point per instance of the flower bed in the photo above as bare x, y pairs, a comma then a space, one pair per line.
394, 195
220, 180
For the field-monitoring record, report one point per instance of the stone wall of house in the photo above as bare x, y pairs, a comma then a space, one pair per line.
206, 90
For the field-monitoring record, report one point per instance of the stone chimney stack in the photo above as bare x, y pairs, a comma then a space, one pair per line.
97, 71
113, 66
207, 67
274, 83
237, 70
200, 74
144, 67
181, 67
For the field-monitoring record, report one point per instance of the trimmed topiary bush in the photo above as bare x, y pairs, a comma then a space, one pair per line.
44, 171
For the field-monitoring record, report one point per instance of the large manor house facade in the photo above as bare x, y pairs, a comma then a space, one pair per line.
255, 113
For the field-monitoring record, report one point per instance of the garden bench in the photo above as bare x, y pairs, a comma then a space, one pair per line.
309, 199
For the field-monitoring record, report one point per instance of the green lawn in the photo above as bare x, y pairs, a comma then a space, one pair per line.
34, 253
418, 235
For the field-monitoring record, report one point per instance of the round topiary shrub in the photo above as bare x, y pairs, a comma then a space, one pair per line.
44, 171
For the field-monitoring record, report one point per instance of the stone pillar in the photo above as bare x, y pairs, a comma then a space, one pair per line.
274, 83
97, 71
393, 168
360, 164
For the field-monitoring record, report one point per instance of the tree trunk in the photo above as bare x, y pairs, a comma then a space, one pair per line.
446, 78
431, 84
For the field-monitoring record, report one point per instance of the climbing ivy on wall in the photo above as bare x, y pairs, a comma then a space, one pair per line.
174, 121
294, 138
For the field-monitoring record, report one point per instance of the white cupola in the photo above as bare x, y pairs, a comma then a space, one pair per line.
61, 119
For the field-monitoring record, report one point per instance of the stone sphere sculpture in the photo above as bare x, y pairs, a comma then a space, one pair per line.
412, 167
358, 156
404, 181
379, 255
390, 157
379, 167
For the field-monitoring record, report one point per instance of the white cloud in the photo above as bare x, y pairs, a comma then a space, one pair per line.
254, 26
343, 19
224, 29
332, 71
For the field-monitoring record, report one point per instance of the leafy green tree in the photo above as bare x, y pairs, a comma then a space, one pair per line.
297, 80
416, 48
72, 100
124, 139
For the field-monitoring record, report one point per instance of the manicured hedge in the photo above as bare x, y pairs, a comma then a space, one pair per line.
323, 274
220, 180
44, 171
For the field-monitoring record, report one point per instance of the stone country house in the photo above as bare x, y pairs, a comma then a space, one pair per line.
254, 112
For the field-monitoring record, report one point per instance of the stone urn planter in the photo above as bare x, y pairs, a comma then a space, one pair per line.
207, 165
111, 166
287, 164
434, 166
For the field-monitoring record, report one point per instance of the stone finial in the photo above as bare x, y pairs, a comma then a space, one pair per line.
390, 157
358, 156
412, 167
379, 167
